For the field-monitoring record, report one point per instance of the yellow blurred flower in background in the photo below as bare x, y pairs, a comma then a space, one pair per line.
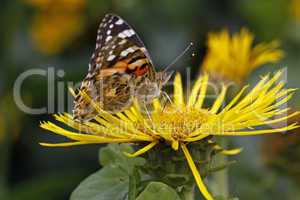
58, 5
233, 58
51, 34
184, 121
56, 24
295, 9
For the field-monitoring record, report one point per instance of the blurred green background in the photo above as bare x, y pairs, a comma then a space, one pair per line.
37, 34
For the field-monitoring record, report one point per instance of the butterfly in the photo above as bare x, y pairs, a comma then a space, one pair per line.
120, 70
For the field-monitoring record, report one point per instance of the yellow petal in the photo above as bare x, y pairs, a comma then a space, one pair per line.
218, 102
142, 150
194, 93
231, 152
71, 90
156, 105
258, 132
202, 93
64, 144
235, 99
196, 174
175, 145
178, 91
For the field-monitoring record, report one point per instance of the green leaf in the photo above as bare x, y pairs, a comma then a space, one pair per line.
133, 179
112, 181
158, 190
113, 155
109, 183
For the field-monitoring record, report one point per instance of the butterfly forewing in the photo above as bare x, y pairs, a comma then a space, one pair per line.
119, 63
114, 28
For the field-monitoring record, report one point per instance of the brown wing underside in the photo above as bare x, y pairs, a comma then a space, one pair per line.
119, 64
110, 93
113, 88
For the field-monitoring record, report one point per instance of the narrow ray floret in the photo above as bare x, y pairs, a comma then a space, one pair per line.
184, 120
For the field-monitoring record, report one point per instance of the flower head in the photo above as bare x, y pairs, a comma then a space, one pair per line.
295, 10
185, 120
233, 58
59, 5
55, 25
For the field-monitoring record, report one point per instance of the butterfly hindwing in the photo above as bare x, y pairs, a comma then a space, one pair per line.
111, 93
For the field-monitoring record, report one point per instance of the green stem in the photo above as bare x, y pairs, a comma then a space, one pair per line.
188, 192
132, 185
221, 177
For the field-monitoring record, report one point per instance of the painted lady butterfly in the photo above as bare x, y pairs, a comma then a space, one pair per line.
120, 69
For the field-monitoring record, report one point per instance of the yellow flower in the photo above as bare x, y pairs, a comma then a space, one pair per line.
232, 58
295, 9
185, 120
48, 38
58, 5
56, 24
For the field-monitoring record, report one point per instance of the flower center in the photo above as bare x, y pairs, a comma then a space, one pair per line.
179, 123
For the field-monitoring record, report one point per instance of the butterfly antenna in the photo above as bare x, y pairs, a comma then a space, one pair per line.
179, 56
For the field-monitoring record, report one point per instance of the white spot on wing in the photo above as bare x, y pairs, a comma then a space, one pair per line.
108, 38
108, 32
119, 22
124, 53
111, 26
128, 32
122, 42
127, 51
131, 32
111, 57
122, 35
130, 49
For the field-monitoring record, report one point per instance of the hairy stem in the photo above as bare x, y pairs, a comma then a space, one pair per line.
221, 177
188, 192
